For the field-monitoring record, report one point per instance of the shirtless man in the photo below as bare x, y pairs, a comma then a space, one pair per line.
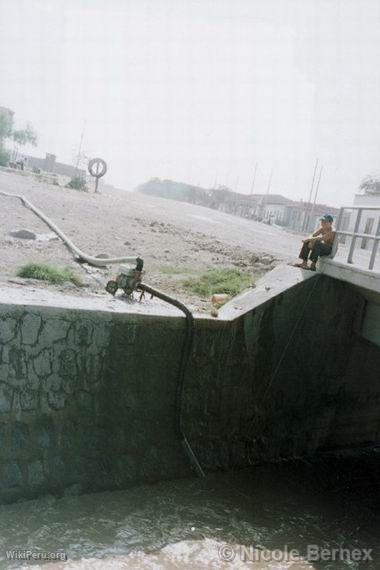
318, 244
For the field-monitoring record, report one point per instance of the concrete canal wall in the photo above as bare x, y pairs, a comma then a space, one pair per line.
87, 396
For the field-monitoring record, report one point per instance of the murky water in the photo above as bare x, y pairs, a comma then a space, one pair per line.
205, 524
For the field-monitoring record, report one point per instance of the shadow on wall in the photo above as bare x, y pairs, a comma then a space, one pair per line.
87, 399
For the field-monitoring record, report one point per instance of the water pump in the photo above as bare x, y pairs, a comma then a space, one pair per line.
128, 279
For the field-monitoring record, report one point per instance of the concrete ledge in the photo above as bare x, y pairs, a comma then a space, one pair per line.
43, 298
269, 286
272, 284
364, 278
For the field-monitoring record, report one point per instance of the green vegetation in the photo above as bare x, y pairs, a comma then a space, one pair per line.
77, 183
229, 281
49, 273
20, 137
4, 156
173, 270
370, 184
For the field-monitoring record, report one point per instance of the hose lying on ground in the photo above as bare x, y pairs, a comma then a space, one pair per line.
186, 350
98, 262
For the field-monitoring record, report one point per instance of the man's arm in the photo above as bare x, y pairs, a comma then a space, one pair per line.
311, 238
328, 237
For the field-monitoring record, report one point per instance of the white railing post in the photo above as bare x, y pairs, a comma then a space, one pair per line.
375, 246
340, 218
353, 240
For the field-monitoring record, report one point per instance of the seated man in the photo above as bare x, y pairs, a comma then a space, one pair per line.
318, 244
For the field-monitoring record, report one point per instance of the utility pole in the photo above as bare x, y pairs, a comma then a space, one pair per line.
268, 187
269, 182
316, 191
79, 155
254, 177
311, 192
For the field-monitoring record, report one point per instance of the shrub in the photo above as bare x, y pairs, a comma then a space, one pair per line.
4, 156
49, 273
229, 281
77, 183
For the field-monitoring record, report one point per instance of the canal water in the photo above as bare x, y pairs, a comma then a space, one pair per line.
276, 516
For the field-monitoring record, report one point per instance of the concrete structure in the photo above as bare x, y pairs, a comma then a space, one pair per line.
63, 172
304, 216
271, 207
360, 268
369, 218
351, 242
88, 388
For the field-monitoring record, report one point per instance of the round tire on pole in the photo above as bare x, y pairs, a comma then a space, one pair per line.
97, 167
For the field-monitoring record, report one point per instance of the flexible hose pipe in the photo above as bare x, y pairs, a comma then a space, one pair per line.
98, 262
185, 355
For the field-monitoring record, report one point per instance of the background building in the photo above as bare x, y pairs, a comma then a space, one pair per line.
63, 172
269, 208
369, 197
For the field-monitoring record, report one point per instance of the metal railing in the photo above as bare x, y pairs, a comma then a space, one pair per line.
356, 234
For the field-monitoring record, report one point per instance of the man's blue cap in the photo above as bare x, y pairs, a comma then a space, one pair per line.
327, 218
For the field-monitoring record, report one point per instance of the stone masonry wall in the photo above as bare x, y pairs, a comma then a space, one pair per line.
287, 380
87, 399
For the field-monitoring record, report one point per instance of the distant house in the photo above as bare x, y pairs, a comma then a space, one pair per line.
50, 165
370, 220
271, 208
305, 216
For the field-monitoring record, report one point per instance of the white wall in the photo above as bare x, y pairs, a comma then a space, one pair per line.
276, 212
369, 219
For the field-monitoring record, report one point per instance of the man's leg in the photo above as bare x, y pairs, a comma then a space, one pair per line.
319, 249
304, 254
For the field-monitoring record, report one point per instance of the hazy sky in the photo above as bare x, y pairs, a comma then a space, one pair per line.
198, 90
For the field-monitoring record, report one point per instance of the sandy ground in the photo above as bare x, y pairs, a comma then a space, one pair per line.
175, 239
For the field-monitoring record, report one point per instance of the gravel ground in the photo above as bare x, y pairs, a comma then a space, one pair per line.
175, 239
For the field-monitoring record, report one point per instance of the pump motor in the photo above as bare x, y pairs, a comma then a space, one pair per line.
127, 279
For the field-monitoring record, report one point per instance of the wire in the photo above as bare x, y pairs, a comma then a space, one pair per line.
278, 366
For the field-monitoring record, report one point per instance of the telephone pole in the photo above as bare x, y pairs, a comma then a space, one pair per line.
254, 177
79, 155
269, 182
316, 191
310, 195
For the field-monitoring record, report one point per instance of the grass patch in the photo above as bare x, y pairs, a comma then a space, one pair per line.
172, 270
229, 281
49, 273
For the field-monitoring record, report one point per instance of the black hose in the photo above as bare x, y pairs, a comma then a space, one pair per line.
185, 355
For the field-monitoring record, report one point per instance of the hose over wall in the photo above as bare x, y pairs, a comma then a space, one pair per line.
67, 241
186, 350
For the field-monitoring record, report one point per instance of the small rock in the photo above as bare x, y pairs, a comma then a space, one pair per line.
23, 234
266, 260
102, 256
